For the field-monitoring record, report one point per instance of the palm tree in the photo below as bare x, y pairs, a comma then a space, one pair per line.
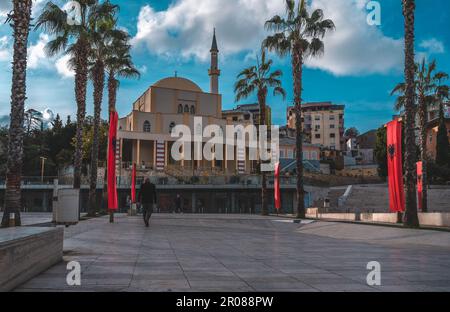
442, 93
102, 32
118, 63
73, 39
299, 34
425, 84
411, 218
20, 19
259, 79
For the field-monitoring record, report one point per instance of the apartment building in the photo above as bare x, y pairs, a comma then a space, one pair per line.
323, 124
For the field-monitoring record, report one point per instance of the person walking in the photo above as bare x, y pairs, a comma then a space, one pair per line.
147, 198
179, 204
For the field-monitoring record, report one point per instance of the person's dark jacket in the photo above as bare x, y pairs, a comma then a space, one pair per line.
147, 195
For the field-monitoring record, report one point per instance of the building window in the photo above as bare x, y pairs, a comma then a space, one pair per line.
193, 110
317, 127
147, 127
186, 108
332, 126
332, 135
317, 136
332, 117
235, 119
306, 155
281, 153
317, 117
290, 154
314, 155
180, 109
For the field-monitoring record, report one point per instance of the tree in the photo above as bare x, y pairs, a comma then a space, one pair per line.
411, 218
73, 39
20, 19
425, 83
351, 133
259, 79
118, 64
381, 152
442, 145
299, 34
101, 33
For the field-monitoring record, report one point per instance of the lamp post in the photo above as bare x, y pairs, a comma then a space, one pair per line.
43, 159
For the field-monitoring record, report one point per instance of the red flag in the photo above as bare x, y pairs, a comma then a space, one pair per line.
419, 184
277, 187
395, 166
112, 187
133, 184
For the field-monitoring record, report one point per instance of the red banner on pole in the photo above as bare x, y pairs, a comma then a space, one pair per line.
419, 184
395, 166
112, 141
133, 184
277, 187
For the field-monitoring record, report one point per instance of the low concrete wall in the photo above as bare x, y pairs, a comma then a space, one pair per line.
427, 219
26, 252
379, 217
435, 219
313, 213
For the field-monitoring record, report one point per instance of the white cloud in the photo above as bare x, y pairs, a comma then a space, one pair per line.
5, 52
63, 68
356, 47
433, 46
185, 30
36, 53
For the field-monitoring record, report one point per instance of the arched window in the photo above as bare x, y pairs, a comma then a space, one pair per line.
180, 109
186, 108
171, 126
147, 127
193, 110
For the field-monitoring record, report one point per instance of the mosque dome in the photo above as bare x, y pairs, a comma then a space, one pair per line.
178, 83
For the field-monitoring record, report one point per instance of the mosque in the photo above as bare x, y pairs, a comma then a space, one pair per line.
144, 135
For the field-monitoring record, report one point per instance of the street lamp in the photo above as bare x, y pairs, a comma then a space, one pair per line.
43, 159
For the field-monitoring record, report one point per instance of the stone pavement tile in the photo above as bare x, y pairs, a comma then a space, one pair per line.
279, 285
342, 287
122, 279
217, 284
159, 285
99, 268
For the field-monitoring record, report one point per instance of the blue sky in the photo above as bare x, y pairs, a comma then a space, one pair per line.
360, 66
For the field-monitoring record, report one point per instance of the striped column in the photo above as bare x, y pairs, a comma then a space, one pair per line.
241, 160
160, 155
118, 146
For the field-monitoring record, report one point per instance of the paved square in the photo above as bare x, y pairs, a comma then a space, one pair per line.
246, 253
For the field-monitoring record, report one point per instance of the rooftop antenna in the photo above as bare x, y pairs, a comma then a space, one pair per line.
176, 74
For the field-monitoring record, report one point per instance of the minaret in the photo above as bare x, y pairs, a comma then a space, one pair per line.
214, 71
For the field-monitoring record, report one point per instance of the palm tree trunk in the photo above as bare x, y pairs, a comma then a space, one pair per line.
21, 26
410, 218
423, 152
262, 122
297, 66
81, 77
99, 82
